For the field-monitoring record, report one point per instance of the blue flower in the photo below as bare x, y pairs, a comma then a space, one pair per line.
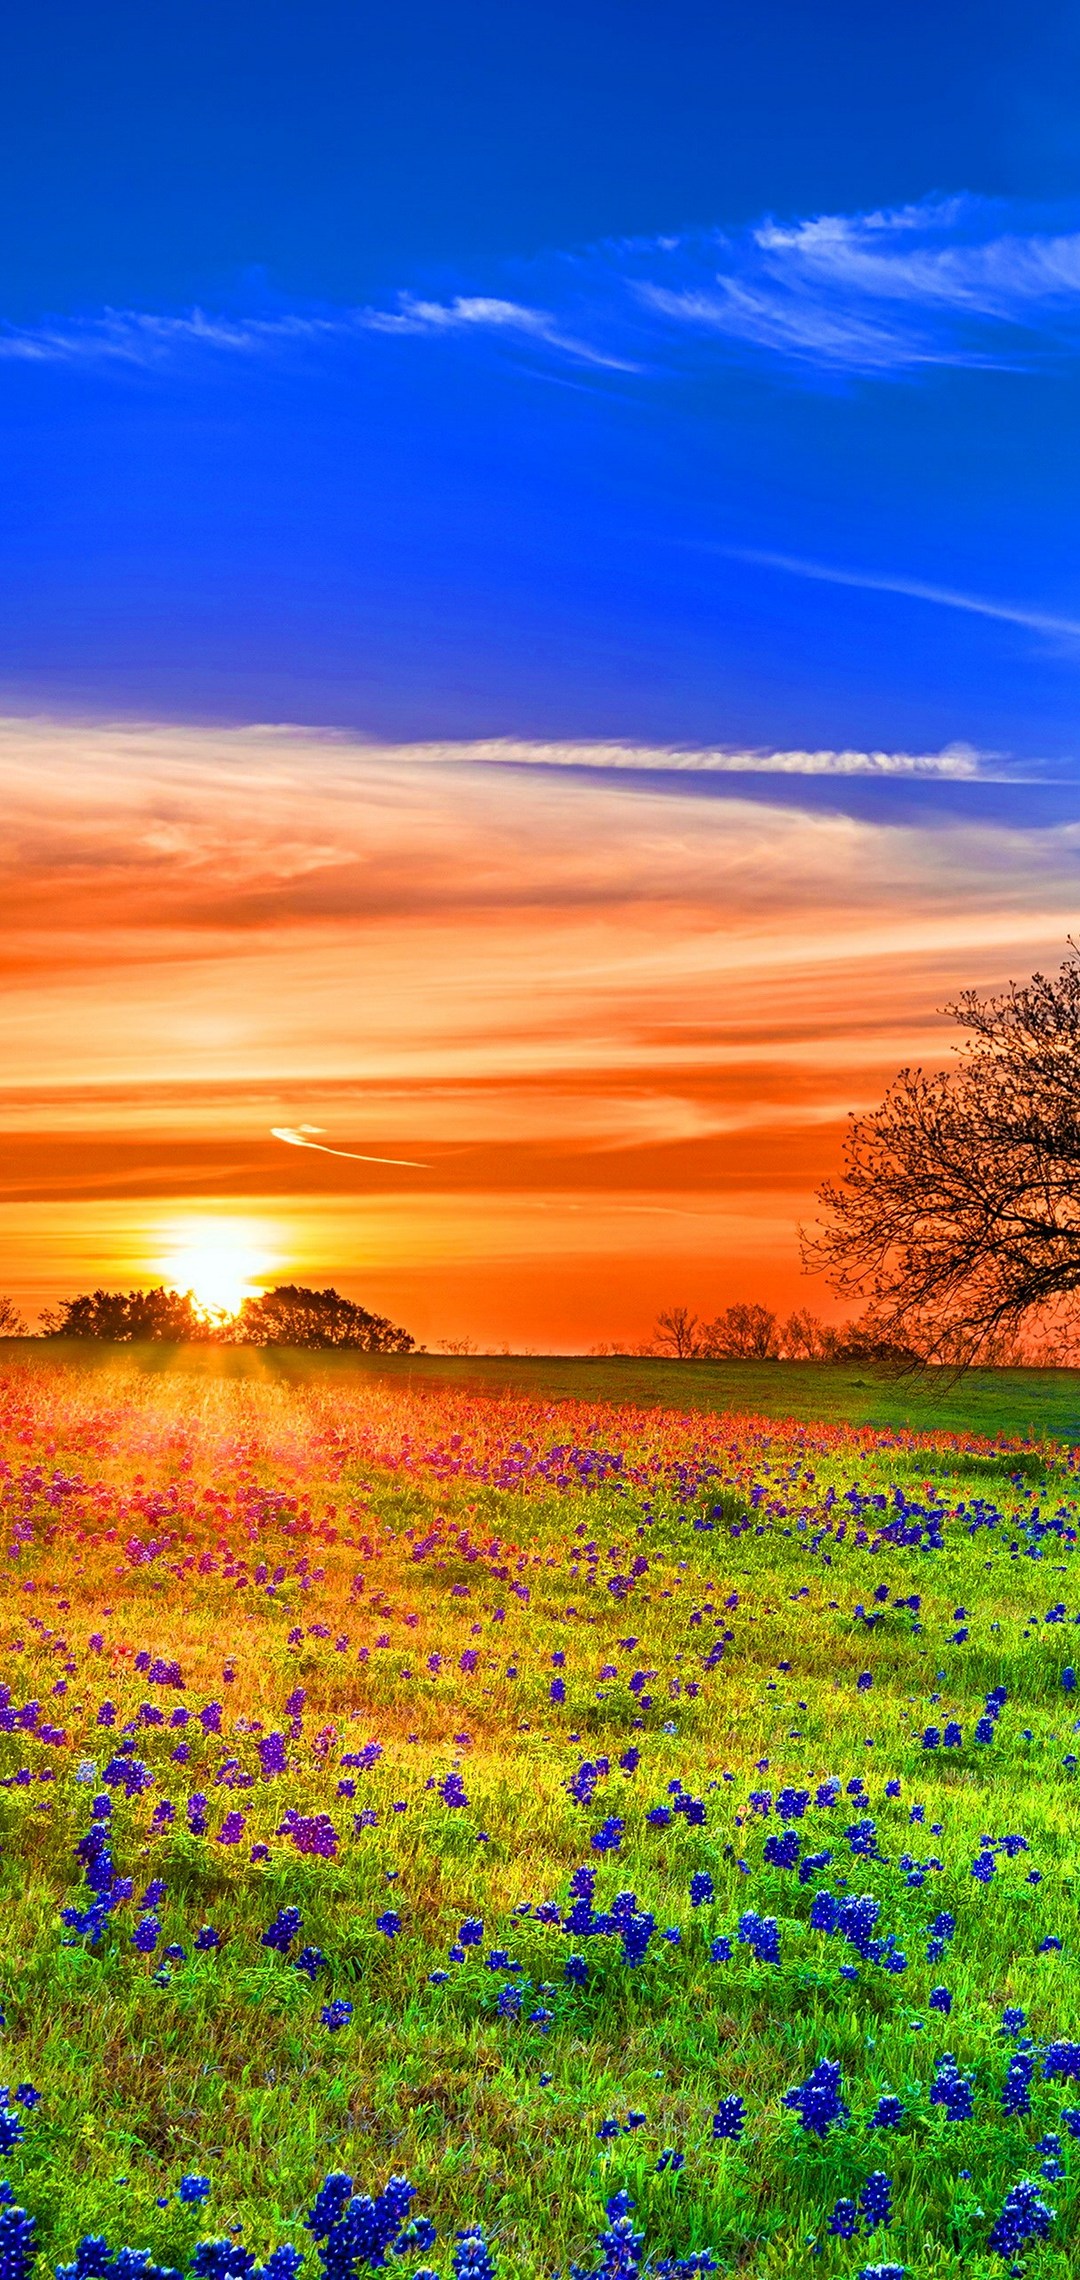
336, 2014
844, 2221
1024, 2216
818, 2101
875, 2200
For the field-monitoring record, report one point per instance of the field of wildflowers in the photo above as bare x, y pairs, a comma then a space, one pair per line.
478, 1833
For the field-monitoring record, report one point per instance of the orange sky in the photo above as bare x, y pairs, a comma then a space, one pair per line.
621, 1029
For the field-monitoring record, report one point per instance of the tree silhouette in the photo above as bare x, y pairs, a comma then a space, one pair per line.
291, 1315
124, 1316
957, 1218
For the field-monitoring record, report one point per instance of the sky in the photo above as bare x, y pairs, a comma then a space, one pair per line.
539, 628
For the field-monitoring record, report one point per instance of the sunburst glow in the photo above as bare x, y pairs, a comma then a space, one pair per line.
220, 1262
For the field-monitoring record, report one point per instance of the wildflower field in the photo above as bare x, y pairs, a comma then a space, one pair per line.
469, 1832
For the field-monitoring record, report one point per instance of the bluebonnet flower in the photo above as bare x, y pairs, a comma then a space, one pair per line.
888, 2114
701, 1889
844, 2221
940, 1999
509, 2002
1024, 2216
280, 1934
818, 2101
881, 2272
357, 2229
761, 1934
336, 2014
471, 1932
608, 1837
1062, 2059
670, 2160
1052, 2167
310, 1833
791, 1804
608, 2128
17, 2243
1013, 2021
11, 2128
146, 1934
729, 2120
576, 1970
389, 1923
636, 1930
620, 2245
720, 1951
207, 1938
952, 2090
875, 2200
194, 2188
310, 1961
782, 1851
471, 2258
452, 1791
1015, 2098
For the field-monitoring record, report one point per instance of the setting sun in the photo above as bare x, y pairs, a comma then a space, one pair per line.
219, 1261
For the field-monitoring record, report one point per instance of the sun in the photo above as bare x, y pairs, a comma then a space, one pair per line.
219, 1262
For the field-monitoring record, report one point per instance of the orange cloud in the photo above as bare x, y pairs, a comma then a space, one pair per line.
620, 1030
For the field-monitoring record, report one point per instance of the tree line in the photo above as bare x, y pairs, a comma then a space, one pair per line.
751, 1332
288, 1315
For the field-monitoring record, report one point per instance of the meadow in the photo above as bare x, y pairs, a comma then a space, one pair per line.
647, 1833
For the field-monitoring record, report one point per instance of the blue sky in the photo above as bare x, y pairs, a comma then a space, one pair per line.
699, 375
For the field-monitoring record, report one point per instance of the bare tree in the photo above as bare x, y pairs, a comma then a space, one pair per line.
677, 1332
742, 1332
802, 1336
957, 1218
11, 1321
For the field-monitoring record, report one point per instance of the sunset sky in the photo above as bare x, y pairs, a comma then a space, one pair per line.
539, 628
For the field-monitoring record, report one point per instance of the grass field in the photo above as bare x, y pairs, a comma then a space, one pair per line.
675, 1802
1024, 1404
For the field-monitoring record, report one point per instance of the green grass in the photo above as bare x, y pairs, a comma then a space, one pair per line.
1023, 1404
143, 1493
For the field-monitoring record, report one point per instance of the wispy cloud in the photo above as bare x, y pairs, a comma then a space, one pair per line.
915, 589
477, 312
956, 760
965, 282
143, 337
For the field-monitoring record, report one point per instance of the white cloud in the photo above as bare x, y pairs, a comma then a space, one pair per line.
956, 760
962, 281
